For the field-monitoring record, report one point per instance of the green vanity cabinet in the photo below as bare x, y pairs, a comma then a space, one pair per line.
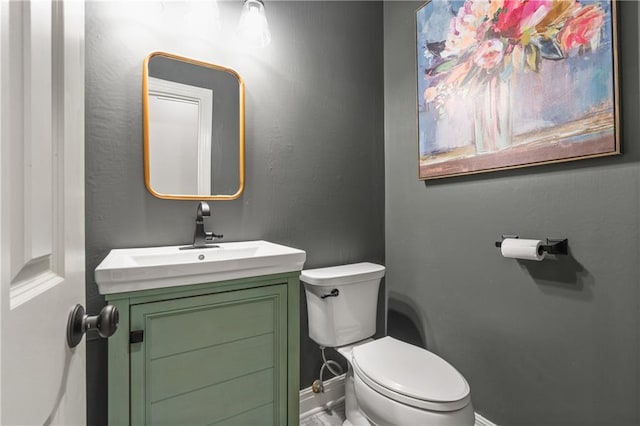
223, 353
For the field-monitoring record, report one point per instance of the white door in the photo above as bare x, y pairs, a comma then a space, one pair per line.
42, 381
180, 128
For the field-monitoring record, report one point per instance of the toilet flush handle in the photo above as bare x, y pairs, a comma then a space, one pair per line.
334, 293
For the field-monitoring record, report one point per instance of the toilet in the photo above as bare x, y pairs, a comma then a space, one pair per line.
388, 382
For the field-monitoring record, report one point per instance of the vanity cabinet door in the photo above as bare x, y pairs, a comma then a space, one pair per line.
212, 359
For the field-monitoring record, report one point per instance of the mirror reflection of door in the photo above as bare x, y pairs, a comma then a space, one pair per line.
180, 126
194, 129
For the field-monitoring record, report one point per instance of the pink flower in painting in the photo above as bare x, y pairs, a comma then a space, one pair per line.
583, 28
489, 39
467, 28
489, 54
560, 11
516, 16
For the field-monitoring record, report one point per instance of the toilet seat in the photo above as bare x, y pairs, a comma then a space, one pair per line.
410, 375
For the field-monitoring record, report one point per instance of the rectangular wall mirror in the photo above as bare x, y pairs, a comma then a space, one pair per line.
193, 129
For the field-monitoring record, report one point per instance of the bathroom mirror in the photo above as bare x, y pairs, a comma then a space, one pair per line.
193, 129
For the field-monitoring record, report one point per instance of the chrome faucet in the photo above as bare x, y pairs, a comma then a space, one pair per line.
202, 238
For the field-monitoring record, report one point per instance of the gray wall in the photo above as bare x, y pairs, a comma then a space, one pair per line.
550, 343
314, 139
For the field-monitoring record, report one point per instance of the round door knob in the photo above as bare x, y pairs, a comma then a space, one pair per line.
105, 323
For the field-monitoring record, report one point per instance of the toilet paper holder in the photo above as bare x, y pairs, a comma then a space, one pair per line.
553, 246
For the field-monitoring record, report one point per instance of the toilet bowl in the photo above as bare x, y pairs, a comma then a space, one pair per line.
388, 382
398, 383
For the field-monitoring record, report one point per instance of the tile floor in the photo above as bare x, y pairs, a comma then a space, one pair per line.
335, 417
332, 417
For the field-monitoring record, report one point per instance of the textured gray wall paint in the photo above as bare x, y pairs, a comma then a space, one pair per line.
314, 139
550, 343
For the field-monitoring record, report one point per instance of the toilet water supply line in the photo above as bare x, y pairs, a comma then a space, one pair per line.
318, 385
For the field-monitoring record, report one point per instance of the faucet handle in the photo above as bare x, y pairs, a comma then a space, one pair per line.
210, 236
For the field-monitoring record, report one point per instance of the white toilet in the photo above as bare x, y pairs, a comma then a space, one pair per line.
389, 382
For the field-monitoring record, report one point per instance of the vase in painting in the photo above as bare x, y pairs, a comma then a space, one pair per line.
492, 116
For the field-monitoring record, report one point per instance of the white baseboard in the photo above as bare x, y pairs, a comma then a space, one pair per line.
481, 421
312, 403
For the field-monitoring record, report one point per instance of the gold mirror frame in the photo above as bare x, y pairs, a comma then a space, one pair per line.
145, 109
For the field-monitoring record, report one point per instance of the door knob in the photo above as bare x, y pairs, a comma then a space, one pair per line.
105, 323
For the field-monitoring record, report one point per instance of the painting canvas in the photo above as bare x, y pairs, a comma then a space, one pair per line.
514, 83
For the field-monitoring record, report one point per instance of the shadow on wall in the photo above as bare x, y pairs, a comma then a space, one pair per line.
404, 320
562, 276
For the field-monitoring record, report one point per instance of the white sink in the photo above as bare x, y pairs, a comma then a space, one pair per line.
137, 269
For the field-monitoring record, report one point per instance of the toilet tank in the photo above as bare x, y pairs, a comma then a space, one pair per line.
342, 302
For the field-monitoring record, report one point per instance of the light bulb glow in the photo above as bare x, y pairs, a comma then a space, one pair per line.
253, 27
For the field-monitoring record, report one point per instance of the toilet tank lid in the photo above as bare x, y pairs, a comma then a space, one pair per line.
343, 274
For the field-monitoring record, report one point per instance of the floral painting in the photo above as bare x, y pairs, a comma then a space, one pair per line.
513, 83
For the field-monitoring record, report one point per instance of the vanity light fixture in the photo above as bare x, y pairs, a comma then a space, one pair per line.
253, 27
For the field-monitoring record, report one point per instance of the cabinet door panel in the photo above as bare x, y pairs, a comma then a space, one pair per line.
255, 417
172, 375
229, 398
188, 329
211, 359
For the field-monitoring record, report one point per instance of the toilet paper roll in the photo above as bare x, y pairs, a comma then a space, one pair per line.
517, 248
